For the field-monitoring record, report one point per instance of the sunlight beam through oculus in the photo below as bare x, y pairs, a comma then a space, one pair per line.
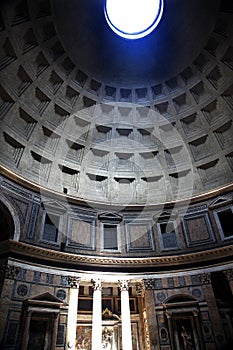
133, 19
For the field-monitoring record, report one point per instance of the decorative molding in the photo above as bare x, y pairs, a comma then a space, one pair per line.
9, 271
27, 250
149, 283
205, 278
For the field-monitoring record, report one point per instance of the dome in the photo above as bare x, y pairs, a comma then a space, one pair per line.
116, 160
109, 120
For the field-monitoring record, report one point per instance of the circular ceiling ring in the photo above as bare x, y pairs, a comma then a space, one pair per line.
133, 19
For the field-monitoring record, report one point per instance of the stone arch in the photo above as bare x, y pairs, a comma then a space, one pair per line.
9, 221
180, 298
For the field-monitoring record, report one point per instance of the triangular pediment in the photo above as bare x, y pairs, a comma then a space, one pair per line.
220, 201
164, 215
54, 205
45, 297
109, 217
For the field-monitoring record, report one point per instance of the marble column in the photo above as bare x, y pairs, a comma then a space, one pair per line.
97, 316
198, 328
27, 320
55, 318
214, 315
170, 328
72, 313
125, 316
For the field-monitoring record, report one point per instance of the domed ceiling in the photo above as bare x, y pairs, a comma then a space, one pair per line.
171, 47
106, 120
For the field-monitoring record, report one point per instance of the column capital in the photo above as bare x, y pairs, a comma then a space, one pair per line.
73, 282
205, 278
124, 285
97, 284
229, 274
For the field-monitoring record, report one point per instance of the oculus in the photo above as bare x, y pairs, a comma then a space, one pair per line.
133, 19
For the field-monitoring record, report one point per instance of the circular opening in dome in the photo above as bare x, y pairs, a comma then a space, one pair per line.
133, 19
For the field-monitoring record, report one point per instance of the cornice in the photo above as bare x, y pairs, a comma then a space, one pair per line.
46, 256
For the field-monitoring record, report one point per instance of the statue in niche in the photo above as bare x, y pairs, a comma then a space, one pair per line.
187, 339
107, 335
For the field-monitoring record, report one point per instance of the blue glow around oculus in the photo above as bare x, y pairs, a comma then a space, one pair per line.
133, 19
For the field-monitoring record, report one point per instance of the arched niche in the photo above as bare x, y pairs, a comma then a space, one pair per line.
9, 221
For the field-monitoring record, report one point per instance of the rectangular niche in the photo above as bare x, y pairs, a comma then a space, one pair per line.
181, 103
163, 108
201, 147
125, 113
24, 124
146, 137
125, 188
51, 228
69, 177
6, 102
152, 187
198, 229
57, 117
213, 112
101, 133
94, 186
192, 124
224, 134
143, 114
11, 150
7, 54
110, 237
211, 172
181, 182
75, 152
175, 156
124, 162
224, 218
228, 96
81, 128
39, 166
48, 140
98, 158
139, 237
81, 232
168, 235
200, 92
123, 135
149, 160
168, 132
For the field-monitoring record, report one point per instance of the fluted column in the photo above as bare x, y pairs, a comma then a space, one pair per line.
72, 313
199, 332
97, 316
125, 316
170, 328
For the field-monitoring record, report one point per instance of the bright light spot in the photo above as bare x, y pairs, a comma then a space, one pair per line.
133, 19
